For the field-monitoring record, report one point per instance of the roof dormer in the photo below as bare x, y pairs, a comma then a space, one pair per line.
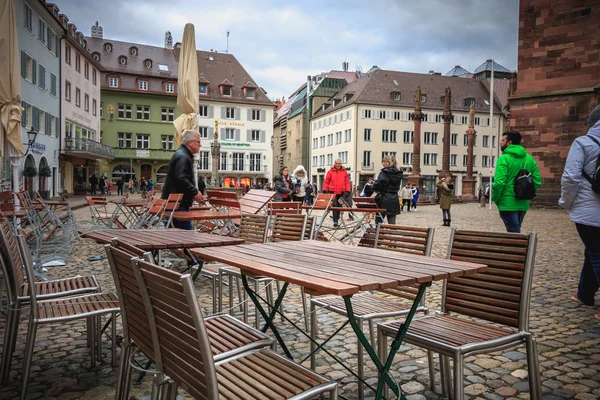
123, 60
108, 47
96, 56
148, 63
249, 90
64, 21
133, 51
54, 10
396, 95
73, 30
226, 88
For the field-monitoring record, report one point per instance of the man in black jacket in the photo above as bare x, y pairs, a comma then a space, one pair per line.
180, 177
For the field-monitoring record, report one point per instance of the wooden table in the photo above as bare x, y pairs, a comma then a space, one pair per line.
205, 215
335, 269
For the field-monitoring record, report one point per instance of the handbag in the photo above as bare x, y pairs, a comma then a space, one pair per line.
378, 198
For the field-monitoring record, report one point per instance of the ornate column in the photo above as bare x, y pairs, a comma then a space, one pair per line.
215, 150
415, 178
468, 187
447, 117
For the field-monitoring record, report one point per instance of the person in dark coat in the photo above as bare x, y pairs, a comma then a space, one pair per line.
93, 184
120, 186
102, 185
180, 176
283, 186
386, 186
444, 188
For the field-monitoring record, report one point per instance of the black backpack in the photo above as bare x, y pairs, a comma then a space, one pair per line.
594, 179
524, 187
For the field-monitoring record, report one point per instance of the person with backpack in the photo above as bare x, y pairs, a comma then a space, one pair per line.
516, 180
580, 196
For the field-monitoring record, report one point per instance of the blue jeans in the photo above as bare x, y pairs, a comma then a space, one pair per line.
512, 220
187, 225
589, 280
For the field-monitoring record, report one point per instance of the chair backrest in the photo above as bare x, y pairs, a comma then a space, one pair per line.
284, 207
181, 346
255, 201
222, 199
311, 223
369, 238
289, 227
254, 228
502, 293
96, 201
136, 323
11, 261
6, 201
323, 201
171, 206
364, 202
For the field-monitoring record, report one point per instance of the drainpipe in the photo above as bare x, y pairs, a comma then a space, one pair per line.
60, 136
308, 126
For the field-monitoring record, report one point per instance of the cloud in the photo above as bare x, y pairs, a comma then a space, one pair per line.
279, 44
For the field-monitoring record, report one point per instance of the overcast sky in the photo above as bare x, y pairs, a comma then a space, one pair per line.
281, 42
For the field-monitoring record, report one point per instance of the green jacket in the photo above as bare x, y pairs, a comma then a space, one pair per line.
513, 159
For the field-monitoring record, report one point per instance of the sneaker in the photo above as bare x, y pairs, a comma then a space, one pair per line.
335, 225
576, 299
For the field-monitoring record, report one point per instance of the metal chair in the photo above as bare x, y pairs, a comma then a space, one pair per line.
368, 307
183, 354
501, 295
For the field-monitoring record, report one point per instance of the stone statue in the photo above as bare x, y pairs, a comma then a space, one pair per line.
216, 134
418, 96
447, 99
471, 118
111, 112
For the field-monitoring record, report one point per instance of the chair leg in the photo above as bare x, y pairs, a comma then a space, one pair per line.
278, 284
124, 377
114, 340
372, 333
304, 307
214, 293
256, 314
431, 370
220, 291
446, 383
239, 292
458, 377
361, 367
313, 334
535, 388
28, 355
99, 338
382, 351
8, 346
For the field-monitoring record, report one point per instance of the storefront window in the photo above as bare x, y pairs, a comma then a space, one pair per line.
161, 174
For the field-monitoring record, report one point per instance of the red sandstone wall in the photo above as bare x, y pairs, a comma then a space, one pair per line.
557, 82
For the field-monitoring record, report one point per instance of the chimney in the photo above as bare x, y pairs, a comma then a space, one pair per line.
345, 66
168, 40
97, 31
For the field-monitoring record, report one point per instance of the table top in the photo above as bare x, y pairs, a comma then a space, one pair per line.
159, 239
331, 268
205, 215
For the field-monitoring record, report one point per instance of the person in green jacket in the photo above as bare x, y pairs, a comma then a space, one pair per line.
513, 159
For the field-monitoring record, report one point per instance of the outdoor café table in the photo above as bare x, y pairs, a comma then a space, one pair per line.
327, 268
220, 217
162, 239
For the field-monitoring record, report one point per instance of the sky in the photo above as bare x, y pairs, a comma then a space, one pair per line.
281, 42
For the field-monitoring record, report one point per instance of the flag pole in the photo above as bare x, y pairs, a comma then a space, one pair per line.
491, 130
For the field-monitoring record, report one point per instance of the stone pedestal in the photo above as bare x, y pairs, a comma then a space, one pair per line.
468, 189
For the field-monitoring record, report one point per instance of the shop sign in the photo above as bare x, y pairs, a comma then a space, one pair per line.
142, 153
38, 148
235, 144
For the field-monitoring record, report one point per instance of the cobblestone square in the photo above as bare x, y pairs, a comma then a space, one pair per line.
567, 333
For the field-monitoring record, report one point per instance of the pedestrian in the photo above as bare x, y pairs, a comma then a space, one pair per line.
406, 195
144, 187
130, 185
120, 186
136, 185
367, 190
299, 183
150, 184
337, 182
109, 188
387, 186
514, 158
415, 196
444, 188
583, 205
102, 185
93, 184
180, 176
201, 185
309, 194
283, 186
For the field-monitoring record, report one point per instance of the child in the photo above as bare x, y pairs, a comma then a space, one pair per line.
110, 187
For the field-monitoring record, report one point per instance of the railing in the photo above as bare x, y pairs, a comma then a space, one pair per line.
89, 147
152, 154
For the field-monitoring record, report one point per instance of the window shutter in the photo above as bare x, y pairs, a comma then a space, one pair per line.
249, 118
57, 48
36, 118
237, 133
263, 115
248, 135
33, 71
222, 112
57, 132
47, 124
262, 136
24, 114
48, 37
23, 65
211, 132
211, 112
237, 112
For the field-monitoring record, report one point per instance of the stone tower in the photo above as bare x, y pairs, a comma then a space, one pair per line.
168, 40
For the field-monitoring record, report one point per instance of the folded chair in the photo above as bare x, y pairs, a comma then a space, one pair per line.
228, 337
369, 307
61, 309
19, 294
501, 295
182, 349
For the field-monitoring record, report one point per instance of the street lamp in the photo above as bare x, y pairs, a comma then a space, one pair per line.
31, 134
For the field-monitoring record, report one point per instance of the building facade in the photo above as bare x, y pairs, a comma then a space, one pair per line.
139, 105
80, 140
558, 84
39, 34
372, 117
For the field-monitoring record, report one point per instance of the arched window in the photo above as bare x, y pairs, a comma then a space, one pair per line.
161, 174
122, 171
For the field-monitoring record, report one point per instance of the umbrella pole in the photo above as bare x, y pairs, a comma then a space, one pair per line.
14, 162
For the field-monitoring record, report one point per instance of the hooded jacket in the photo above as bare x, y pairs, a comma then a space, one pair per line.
577, 196
283, 187
300, 180
388, 184
337, 181
513, 159
180, 177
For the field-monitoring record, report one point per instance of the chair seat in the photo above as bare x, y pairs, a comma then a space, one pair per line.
63, 287
227, 334
266, 375
211, 269
447, 331
77, 307
364, 305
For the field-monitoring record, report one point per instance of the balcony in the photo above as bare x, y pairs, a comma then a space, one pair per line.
87, 148
151, 154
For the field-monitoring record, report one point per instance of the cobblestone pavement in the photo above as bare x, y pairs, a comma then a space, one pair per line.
568, 335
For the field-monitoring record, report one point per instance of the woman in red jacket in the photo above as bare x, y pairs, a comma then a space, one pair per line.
338, 183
